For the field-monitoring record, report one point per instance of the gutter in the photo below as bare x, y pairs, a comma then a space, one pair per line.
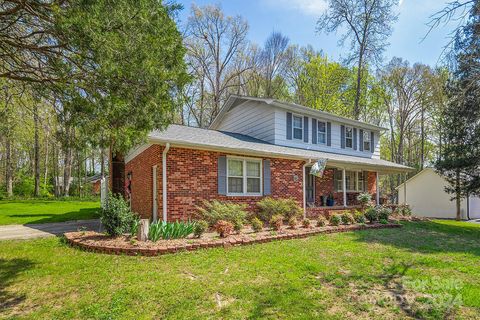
164, 181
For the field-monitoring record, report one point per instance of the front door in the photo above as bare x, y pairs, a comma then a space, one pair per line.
309, 187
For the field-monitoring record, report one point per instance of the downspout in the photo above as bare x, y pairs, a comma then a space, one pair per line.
305, 188
164, 181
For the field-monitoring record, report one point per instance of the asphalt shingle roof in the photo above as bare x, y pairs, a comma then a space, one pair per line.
178, 135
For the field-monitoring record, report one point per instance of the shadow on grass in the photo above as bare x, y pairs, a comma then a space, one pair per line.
428, 237
9, 271
81, 214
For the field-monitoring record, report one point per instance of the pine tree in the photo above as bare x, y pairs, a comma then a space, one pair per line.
459, 160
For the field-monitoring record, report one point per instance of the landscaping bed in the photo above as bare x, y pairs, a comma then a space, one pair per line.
98, 242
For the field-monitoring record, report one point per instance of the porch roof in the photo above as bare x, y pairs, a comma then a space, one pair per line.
197, 138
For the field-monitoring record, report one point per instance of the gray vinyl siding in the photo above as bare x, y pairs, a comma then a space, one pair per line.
255, 119
280, 138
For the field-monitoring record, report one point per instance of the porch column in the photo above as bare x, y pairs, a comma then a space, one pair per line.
377, 189
404, 188
344, 187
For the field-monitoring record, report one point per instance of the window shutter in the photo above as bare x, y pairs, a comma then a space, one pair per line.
342, 136
314, 131
372, 143
329, 134
305, 129
354, 138
289, 126
222, 175
266, 178
361, 140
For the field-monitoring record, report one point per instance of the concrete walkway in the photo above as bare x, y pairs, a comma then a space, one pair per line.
32, 231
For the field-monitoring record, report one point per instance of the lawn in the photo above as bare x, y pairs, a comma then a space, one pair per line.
424, 270
43, 211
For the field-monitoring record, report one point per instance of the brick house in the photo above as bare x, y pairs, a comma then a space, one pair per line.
256, 148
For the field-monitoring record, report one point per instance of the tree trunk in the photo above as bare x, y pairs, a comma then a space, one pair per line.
67, 172
102, 162
8, 169
46, 162
36, 151
117, 173
458, 197
422, 142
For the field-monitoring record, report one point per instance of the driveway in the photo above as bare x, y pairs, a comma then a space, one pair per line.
32, 231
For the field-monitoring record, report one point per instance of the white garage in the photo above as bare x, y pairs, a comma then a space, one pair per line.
425, 193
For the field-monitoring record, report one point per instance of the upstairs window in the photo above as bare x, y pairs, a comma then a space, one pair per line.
321, 132
297, 127
349, 137
366, 141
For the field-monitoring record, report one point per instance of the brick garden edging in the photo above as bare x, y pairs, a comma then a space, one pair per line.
76, 239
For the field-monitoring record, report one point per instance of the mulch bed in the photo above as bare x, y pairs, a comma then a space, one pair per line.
94, 241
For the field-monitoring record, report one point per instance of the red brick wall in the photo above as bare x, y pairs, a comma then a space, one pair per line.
192, 178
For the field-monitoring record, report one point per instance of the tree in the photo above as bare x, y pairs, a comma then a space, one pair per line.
368, 25
273, 59
459, 159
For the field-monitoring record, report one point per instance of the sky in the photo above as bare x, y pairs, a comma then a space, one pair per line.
297, 20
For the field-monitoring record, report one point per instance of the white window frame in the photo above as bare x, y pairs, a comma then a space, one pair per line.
367, 134
357, 187
351, 129
320, 132
293, 126
244, 177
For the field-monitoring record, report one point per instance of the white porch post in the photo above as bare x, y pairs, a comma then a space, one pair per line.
404, 188
377, 195
344, 187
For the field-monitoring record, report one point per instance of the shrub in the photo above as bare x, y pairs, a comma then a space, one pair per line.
116, 216
257, 224
134, 226
306, 223
404, 210
347, 218
371, 214
383, 221
200, 227
276, 222
238, 225
335, 219
321, 221
170, 230
384, 213
359, 217
285, 207
292, 222
215, 210
364, 199
223, 228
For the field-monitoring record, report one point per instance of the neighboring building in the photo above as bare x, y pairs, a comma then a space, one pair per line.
256, 148
96, 182
426, 195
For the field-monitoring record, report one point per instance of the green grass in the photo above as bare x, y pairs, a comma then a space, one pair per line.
434, 267
43, 211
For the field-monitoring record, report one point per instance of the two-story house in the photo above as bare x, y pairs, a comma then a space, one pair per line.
255, 148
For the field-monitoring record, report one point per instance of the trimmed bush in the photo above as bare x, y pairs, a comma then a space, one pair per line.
384, 213
347, 218
306, 223
371, 214
270, 207
257, 224
404, 210
200, 227
359, 216
238, 225
335, 219
276, 222
364, 199
383, 221
214, 211
116, 216
321, 221
224, 228
170, 230
292, 222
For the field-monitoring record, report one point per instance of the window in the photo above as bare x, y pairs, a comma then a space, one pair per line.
354, 180
321, 132
298, 127
366, 141
244, 177
349, 137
